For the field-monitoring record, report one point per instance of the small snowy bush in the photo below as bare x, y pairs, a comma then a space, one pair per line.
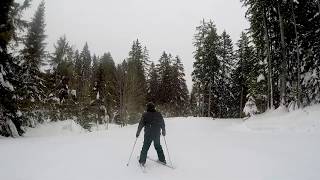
250, 108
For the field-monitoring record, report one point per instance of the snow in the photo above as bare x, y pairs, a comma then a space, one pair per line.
60, 128
74, 92
3, 82
250, 107
98, 96
260, 78
19, 113
276, 145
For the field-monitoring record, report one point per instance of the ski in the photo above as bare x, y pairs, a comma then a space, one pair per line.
143, 168
159, 162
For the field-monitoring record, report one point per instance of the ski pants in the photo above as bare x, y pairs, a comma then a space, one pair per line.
148, 139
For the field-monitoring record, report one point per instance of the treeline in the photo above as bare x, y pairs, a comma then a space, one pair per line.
276, 64
79, 85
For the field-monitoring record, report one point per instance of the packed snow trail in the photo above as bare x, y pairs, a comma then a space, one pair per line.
275, 146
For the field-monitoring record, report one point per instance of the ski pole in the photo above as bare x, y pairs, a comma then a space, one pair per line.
132, 151
165, 141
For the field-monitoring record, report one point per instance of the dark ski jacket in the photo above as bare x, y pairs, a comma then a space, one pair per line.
153, 122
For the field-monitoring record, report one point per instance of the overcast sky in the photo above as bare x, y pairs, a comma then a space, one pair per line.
161, 25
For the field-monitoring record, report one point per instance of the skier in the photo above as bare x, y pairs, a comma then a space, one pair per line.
152, 121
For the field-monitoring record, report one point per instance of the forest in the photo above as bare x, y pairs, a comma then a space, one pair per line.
274, 64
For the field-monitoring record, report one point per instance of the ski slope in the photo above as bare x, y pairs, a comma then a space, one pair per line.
274, 146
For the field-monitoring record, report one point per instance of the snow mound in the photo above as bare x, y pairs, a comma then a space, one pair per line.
59, 128
280, 120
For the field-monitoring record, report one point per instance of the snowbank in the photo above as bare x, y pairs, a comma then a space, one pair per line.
59, 128
280, 120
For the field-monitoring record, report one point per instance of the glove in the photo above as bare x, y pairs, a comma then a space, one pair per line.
163, 133
137, 135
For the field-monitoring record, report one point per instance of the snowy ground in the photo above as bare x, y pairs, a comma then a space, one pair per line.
273, 146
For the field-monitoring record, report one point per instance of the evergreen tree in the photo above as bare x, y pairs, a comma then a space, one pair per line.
10, 120
242, 74
85, 59
31, 91
122, 93
78, 66
180, 89
153, 84
206, 72
288, 39
106, 83
146, 60
137, 87
94, 76
62, 57
193, 104
166, 84
227, 61
63, 67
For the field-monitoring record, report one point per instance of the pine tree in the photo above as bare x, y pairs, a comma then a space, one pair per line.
32, 90
94, 76
10, 118
288, 39
137, 87
146, 60
153, 84
106, 83
62, 55
78, 66
85, 58
122, 93
166, 84
206, 72
63, 67
193, 104
180, 89
227, 61
243, 76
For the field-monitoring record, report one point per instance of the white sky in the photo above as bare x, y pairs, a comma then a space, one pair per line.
161, 25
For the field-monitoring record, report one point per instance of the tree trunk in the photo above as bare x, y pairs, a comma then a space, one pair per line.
199, 102
209, 104
241, 102
283, 68
270, 84
298, 56
203, 106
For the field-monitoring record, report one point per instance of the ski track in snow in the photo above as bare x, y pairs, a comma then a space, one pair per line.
273, 146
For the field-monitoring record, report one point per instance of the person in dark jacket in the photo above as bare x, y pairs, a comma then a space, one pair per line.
153, 122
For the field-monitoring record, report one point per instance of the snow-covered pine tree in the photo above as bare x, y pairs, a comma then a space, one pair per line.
153, 84
289, 38
250, 108
136, 84
122, 94
106, 83
60, 81
146, 61
85, 59
32, 89
180, 89
308, 19
10, 20
227, 62
78, 66
193, 106
166, 84
249, 75
207, 72
62, 61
